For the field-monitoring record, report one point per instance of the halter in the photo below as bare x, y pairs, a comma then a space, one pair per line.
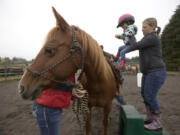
74, 47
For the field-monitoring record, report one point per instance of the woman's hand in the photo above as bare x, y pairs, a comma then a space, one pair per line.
78, 93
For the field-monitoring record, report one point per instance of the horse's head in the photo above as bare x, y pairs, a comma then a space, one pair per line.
57, 60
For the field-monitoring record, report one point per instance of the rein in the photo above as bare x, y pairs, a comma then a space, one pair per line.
74, 47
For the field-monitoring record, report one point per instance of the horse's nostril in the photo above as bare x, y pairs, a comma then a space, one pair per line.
21, 89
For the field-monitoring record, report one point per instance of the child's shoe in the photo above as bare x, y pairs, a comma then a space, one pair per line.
122, 64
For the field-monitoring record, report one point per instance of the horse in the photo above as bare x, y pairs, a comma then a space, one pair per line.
66, 49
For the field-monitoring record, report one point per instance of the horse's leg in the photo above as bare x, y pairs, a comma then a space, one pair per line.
107, 110
88, 122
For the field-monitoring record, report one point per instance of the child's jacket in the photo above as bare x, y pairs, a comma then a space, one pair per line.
128, 33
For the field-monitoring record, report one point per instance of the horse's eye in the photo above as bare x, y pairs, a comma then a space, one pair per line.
49, 51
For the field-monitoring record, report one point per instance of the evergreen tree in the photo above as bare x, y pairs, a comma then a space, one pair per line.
171, 42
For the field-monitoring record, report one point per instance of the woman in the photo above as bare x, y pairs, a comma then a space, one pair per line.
48, 107
153, 69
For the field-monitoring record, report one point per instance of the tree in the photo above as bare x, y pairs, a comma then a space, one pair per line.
133, 60
171, 42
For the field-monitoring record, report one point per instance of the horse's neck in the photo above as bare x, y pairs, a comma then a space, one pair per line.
90, 72
97, 82
96, 72
96, 67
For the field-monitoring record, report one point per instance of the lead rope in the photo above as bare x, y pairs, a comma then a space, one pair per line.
80, 105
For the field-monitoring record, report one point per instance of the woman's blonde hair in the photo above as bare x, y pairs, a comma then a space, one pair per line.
153, 23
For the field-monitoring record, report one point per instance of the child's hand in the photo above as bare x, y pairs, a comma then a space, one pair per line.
117, 36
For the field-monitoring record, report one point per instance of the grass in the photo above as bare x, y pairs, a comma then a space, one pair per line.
174, 73
17, 77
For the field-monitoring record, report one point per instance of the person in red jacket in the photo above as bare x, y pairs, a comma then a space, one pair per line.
48, 107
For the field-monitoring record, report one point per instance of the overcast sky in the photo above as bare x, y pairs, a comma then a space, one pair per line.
24, 24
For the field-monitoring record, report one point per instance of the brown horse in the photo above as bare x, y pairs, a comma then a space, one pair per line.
58, 60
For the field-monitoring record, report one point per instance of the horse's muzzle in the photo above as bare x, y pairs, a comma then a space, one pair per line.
21, 89
21, 92
31, 96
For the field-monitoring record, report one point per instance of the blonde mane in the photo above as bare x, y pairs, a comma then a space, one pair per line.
94, 52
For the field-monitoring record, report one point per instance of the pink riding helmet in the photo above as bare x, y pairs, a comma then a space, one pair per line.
125, 18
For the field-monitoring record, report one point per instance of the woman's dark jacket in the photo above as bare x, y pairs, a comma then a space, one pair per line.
150, 53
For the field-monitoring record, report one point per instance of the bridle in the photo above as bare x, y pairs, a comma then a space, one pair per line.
73, 49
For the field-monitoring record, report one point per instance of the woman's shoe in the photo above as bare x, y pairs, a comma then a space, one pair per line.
155, 125
149, 117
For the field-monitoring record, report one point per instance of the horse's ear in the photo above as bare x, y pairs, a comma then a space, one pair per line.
60, 20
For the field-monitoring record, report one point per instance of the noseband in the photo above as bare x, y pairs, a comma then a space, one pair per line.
74, 47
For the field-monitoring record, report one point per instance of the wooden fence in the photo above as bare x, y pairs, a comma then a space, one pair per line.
11, 71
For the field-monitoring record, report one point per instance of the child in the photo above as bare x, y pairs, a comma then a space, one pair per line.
126, 21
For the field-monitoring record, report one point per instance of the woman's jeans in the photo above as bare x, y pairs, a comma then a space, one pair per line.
123, 50
48, 119
151, 83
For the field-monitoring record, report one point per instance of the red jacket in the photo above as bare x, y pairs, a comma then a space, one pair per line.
56, 98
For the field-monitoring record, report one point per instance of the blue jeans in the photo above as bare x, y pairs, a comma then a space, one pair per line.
123, 50
48, 119
151, 83
120, 99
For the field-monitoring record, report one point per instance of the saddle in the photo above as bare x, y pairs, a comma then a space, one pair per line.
116, 71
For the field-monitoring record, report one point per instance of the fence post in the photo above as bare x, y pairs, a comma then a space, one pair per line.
5, 71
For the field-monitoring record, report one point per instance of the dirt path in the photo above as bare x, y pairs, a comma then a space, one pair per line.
16, 115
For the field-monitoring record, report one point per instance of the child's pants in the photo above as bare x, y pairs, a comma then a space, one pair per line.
123, 50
